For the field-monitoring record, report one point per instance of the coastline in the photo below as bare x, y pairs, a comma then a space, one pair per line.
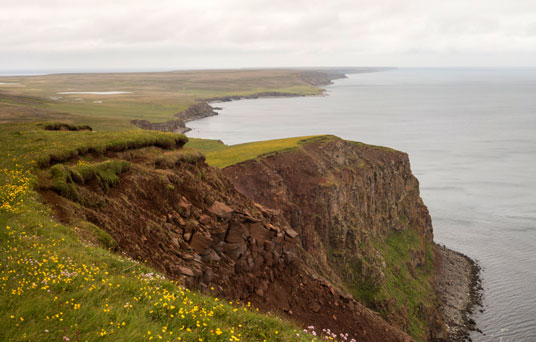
315, 77
458, 282
203, 109
458, 287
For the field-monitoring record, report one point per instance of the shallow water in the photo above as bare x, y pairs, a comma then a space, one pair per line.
471, 138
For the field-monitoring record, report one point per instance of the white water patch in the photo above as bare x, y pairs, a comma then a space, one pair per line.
8, 83
93, 92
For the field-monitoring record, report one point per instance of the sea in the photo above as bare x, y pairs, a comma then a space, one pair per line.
471, 138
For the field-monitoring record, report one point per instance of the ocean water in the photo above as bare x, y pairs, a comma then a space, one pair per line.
471, 138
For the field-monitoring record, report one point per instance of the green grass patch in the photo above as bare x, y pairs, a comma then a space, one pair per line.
106, 174
168, 160
223, 156
410, 292
30, 143
61, 126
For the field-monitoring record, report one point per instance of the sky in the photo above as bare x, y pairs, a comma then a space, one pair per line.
199, 34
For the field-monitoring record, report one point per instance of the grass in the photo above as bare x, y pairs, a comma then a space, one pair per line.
221, 156
408, 292
60, 283
30, 143
155, 97
106, 174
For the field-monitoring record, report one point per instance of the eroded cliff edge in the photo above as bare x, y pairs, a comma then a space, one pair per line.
317, 233
358, 211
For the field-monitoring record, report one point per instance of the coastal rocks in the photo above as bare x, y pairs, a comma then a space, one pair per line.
458, 288
194, 112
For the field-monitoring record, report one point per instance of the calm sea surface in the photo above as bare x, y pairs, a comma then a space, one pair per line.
471, 138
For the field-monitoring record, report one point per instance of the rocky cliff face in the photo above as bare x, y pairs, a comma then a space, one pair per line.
345, 199
297, 233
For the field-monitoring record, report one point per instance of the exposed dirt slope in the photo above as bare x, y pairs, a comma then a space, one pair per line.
188, 220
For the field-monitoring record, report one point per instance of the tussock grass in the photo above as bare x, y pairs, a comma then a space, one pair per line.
106, 174
171, 159
62, 126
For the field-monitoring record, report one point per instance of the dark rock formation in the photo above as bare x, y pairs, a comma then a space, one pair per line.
194, 112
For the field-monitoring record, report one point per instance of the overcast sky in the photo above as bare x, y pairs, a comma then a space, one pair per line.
177, 34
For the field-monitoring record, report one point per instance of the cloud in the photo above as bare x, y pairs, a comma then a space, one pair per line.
235, 33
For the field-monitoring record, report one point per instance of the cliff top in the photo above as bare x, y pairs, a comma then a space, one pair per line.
222, 156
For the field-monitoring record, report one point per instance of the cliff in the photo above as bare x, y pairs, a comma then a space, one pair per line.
194, 112
354, 207
312, 233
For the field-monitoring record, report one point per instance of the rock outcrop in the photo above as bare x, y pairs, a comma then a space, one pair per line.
194, 112
278, 231
345, 199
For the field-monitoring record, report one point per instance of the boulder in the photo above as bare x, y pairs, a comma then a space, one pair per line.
221, 210
205, 219
259, 233
237, 233
185, 208
186, 271
200, 242
291, 233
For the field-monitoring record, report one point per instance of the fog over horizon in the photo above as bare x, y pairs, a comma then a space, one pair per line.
170, 35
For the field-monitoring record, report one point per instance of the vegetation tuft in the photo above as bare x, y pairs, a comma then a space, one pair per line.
106, 174
171, 159
61, 126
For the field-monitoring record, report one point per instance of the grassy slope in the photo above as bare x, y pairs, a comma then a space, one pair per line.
221, 156
408, 292
53, 286
154, 96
